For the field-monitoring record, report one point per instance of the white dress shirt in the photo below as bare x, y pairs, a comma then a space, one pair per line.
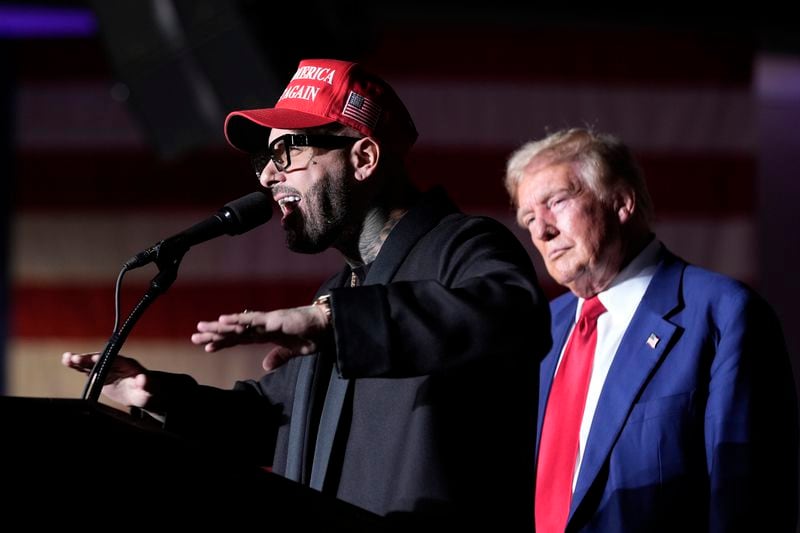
620, 299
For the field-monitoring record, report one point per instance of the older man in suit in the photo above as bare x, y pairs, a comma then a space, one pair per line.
666, 402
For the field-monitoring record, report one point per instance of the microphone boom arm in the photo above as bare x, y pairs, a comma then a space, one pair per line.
168, 264
236, 217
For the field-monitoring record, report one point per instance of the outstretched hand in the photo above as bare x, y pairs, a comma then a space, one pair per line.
127, 382
292, 332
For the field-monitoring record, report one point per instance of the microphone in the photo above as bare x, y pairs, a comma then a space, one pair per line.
234, 218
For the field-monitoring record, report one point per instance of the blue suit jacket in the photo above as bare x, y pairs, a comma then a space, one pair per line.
698, 433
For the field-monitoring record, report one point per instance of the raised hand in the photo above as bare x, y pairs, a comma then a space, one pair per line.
127, 383
292, 332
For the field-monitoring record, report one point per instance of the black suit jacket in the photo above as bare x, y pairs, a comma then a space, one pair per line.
430, 412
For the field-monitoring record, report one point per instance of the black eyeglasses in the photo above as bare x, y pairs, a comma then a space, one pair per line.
279, 150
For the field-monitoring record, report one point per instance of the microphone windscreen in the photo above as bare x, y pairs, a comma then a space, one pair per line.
249, 211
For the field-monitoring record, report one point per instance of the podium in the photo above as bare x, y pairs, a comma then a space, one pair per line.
75, 463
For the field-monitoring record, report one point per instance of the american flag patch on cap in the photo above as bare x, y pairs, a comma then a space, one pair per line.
362, 110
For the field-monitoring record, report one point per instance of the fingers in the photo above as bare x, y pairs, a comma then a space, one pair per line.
276, 358
281, 354
212, 342
248, 318
294, 330
205, 338
137, 393
215, 335
231, 330
82, 362
220, 327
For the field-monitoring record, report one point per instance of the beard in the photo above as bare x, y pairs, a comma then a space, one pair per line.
323, 217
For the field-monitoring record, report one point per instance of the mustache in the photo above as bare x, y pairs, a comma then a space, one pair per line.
284, 189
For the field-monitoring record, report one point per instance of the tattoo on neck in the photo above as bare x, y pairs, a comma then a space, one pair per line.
377, 226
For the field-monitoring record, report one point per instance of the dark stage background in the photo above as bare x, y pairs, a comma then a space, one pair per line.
112, 139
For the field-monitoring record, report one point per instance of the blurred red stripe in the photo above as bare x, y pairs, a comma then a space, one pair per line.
70, 180
691, 184
87, 311
696, 184
75, 311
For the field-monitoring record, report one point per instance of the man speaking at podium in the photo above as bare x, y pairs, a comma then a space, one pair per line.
408, 387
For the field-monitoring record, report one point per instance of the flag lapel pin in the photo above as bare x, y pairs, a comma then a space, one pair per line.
652, 340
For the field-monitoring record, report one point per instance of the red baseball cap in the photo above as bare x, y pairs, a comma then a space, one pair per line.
323, 91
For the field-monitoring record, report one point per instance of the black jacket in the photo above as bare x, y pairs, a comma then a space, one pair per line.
431, 410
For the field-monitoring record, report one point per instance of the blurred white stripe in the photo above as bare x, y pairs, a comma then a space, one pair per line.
74, 248
34, 368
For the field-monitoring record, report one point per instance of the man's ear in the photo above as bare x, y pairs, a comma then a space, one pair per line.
625, 205
365, 156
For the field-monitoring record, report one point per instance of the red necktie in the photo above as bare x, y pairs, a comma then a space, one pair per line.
558, 448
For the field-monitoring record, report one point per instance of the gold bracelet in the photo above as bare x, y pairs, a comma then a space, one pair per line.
324, 302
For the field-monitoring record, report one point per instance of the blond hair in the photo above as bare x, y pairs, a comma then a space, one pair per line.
603, 162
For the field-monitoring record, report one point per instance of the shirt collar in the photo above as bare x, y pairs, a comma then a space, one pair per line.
627, 289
